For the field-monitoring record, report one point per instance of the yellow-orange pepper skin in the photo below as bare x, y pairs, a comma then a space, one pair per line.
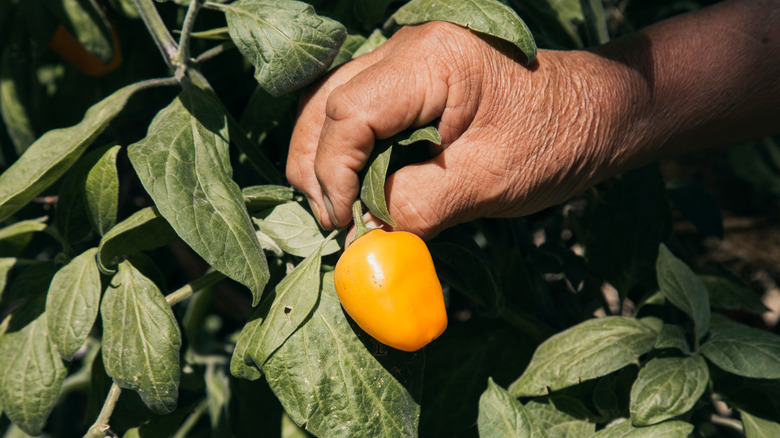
387, 283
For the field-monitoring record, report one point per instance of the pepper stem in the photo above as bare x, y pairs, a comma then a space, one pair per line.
357, 217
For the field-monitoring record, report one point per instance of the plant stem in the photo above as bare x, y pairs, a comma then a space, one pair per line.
157, 29
357, 217
182, 56
192, 419
100, 428
728, 422
198, 285
214, 51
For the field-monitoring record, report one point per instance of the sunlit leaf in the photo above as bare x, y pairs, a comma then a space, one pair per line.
429, 133
347, 50
72, 303
101, 190
684, 289
184, 164
287, 42
141, 339
624, 429
667, 387
372, 192
295, 230
556, 423
277, 317
144, 230
757, 427
486, 16
591, 349
370, 44
266, 196
54, 152
500, 414
31, 371
335, 385
745, 351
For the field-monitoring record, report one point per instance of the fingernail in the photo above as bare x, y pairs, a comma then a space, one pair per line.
370, 221
329, 208
315, 209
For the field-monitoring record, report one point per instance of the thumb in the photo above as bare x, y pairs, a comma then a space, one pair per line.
378, 102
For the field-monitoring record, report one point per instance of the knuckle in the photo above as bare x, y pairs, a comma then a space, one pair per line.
341, 103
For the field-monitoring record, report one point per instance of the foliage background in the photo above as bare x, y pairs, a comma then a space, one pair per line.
716, 210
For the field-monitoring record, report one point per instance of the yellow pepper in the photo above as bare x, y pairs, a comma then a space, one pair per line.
387, 283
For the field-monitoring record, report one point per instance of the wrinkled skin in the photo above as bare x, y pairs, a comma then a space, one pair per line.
517, 138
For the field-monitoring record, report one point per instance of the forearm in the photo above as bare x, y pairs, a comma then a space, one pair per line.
703, 79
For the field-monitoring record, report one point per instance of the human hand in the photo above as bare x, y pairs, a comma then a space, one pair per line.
515, 139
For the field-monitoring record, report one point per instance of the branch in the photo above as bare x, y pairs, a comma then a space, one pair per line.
101, 428
157, 29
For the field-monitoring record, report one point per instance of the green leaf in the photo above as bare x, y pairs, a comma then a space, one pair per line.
500, 414
85, 20
6, 264
591, 349
15, 237
462, 264
141, 339
672, 336
370, 44
555, 23
217, 396
278, 317
624, 429
485, 16
264, 113
72, 219
429, 133
372, 192
728, 294
31, 372
15, 71
595, 21
184, 164
757, 427
746, 352
101, 190
347, 50
144, 230
667, 387
266, 196
556, 423
72, 303
684, 289
328, 380
287, 42
295, 230
55, 151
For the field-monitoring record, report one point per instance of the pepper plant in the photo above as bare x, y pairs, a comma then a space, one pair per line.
160, 278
